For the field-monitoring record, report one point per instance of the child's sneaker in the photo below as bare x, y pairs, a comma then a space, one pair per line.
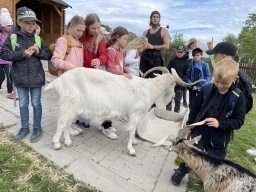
11, 96
75, 130
21, 134
36, 135
109, 133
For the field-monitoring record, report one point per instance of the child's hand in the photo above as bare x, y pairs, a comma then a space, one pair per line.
212, 122
150, 46
129, 76
210, 44
36, 49
28, 52
95, 63
194, 88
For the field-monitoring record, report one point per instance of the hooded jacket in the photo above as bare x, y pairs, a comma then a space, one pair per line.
26, 72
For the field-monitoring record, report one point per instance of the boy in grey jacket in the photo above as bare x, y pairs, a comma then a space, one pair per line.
27, 70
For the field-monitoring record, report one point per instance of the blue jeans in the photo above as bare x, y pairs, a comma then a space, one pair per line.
35, 94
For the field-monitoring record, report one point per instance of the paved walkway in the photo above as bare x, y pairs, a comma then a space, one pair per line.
95, 159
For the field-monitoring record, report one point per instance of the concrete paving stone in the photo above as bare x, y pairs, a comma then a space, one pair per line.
140, 153
154, 169
160, 159
98, 156
105, 162
87, 153
153, 151
94, 148
147, 160
106, 180
80, 148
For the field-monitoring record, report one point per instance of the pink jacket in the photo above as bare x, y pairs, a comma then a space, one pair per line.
74, 58
115, 62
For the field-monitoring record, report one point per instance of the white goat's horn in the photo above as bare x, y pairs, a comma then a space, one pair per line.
163, 69
159, 143
180, 81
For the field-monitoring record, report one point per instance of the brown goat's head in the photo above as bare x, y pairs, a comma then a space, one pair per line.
180, 143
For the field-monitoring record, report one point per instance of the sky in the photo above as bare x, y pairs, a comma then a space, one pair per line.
202, 19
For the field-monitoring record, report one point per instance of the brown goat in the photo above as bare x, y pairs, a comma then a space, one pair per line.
218, 175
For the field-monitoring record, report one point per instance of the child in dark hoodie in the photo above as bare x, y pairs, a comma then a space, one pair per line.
27, 70
181, 65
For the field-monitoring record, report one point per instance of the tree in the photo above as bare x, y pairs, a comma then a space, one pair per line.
231, 38
106, 27
131, 36
177, 39
247, 39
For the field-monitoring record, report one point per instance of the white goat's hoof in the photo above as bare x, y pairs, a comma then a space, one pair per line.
57, 145
132, 152
68, 142
135, 142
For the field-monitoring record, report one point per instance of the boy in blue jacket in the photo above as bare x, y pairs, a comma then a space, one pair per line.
220, 118
199, 69
27, 70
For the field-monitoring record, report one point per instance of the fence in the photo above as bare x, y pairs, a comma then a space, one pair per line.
249, 69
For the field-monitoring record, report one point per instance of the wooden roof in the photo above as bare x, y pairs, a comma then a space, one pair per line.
62, 3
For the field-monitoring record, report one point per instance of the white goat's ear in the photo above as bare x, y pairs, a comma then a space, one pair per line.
196, 140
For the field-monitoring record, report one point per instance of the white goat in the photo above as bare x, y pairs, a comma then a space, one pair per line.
98, 95
217, 174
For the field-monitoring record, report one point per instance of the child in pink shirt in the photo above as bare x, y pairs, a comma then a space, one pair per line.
63, 61
115, 64
60, 59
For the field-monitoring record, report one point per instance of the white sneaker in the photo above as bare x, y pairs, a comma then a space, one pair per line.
109, 133
75, 130
100, 127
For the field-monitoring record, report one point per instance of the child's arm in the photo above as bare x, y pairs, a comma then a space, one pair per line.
102, 53
6, 52
44, 53
236, 120
170, 65
186, 71
195, 108
130, 57
207, 73
111, 62
59, 55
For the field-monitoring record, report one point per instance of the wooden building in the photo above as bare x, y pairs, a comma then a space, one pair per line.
51, 13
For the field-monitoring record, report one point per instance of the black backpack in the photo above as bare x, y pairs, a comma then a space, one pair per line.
244, 83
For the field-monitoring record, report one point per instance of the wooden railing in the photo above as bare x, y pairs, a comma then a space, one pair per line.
249, 69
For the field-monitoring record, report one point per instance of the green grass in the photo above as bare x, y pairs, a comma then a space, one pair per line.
24, 169
244, 139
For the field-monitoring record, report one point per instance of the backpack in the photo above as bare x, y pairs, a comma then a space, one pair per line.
244, 83
52, 70
13, 38
232, 100
233, 97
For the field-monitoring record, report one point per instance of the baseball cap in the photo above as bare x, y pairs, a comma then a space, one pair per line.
104, 31
225, 48
26, 14
181, 48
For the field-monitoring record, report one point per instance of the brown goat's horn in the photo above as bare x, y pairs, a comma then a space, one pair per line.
180, 81
163, 69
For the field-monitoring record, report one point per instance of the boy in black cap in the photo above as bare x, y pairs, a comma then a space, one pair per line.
28, 74
181, 65
220, 51
198, 70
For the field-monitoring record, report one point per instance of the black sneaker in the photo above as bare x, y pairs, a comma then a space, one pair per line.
178, 175
36, 135
21, 134
85, 126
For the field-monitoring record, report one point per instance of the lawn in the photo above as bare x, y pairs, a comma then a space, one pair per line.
24, 169
244, 139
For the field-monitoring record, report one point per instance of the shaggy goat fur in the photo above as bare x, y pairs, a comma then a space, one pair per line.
98, 95
217, 174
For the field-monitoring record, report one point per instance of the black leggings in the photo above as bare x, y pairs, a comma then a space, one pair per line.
106, 124
5, 71
145, 65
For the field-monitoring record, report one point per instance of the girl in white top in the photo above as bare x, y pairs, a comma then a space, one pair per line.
132, 58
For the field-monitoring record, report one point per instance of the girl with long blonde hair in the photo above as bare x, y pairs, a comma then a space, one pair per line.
132, 58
